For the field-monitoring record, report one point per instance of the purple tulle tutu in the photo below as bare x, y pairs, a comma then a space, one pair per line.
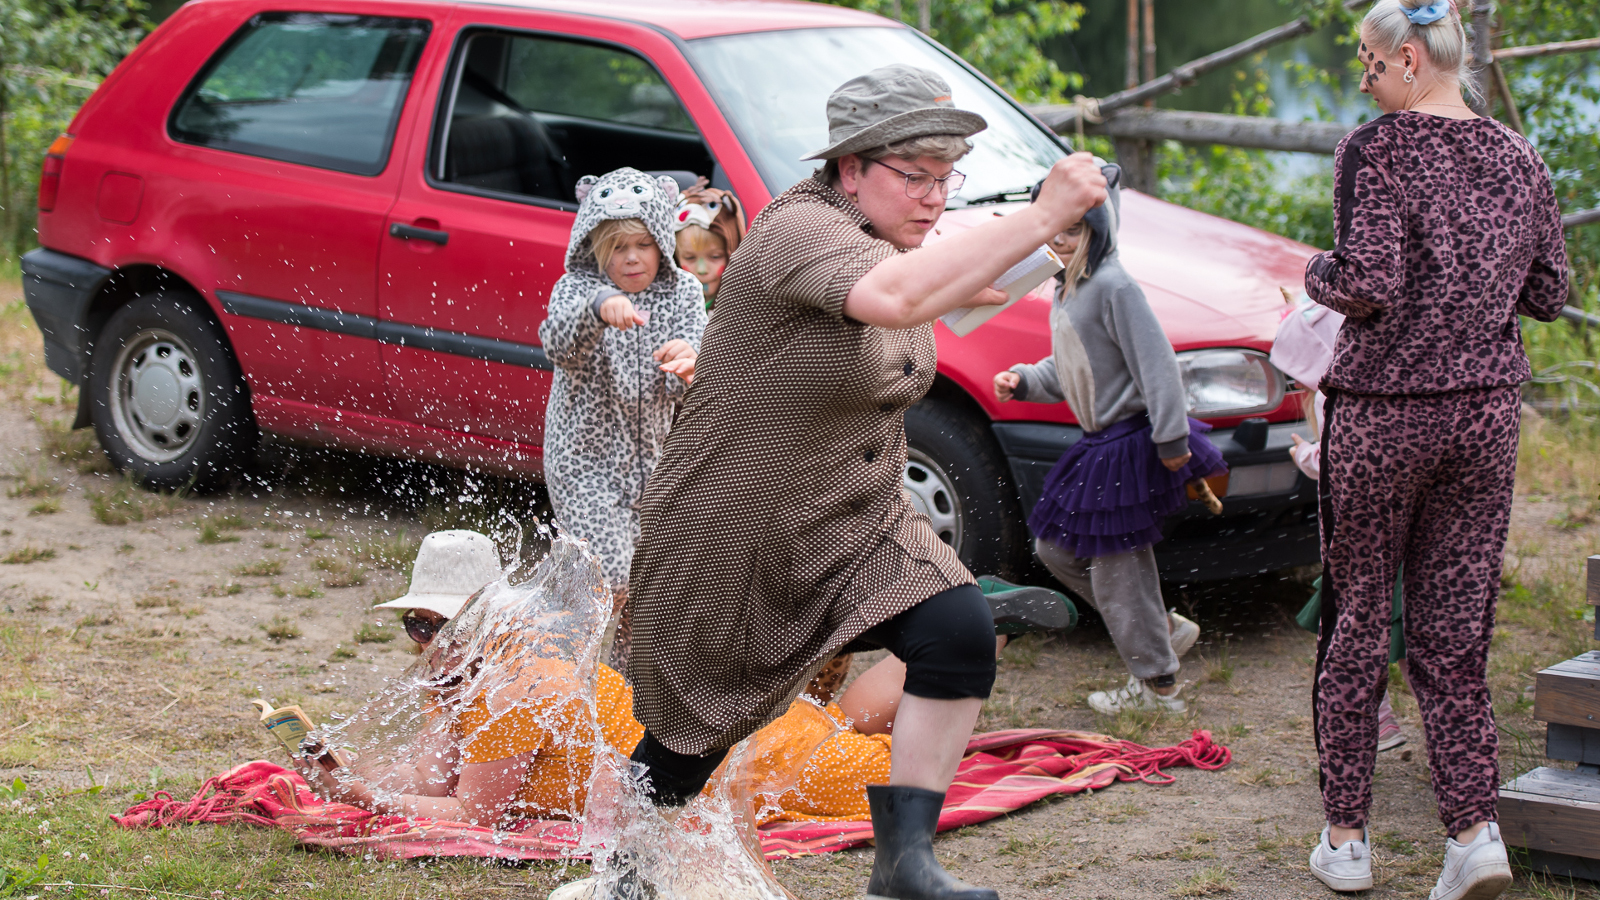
1109, 492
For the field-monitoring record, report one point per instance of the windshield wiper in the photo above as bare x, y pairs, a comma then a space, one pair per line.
1005, 196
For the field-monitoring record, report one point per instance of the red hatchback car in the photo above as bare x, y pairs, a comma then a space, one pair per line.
339, 221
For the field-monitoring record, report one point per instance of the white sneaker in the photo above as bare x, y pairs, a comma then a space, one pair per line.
1136, 695
582, 889
1475, 871
1184, 633
1348, 868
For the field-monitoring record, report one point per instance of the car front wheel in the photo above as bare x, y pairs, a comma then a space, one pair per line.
168, 401
957, 477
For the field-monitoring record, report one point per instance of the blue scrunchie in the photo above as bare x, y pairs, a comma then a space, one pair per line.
1427, 15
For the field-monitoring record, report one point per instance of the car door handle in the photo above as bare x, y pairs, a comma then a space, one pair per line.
412, 232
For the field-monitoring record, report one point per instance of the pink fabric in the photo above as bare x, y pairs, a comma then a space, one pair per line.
1304, 345
1002, 772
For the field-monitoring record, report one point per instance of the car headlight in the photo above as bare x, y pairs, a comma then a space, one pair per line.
1230, 382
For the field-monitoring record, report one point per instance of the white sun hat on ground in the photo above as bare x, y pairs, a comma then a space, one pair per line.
451, 566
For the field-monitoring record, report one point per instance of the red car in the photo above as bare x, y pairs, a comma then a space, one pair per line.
338, 221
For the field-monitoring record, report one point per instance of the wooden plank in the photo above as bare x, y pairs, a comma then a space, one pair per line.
1567, 698
1556, 783
1573, 220
1551, 824
1594, 561
1573, 744
1582, 664
1563, 865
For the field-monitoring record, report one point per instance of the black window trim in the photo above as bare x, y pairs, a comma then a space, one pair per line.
451, 85
277, 154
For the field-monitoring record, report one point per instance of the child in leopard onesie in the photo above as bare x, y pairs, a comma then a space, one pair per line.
623, 329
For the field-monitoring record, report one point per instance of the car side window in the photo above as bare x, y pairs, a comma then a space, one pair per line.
317, 89
527, 115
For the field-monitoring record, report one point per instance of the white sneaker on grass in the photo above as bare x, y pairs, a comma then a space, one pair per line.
1349, 868
1184, 633
1478, 870
1136, 695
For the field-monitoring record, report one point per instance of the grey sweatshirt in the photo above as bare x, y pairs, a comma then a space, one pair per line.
1109, 358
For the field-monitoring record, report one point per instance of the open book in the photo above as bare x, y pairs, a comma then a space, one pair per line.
1038, 267
293, 730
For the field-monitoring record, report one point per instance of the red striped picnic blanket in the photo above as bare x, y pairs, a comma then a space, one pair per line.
1002, 772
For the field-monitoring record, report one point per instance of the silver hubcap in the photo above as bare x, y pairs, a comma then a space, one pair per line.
158, 400
933, 494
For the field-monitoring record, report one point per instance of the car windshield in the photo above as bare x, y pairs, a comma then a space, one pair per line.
774, 86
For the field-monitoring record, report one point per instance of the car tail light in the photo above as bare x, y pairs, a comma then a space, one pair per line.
50, 176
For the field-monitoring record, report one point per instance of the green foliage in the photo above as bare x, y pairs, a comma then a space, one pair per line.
1000, 38
53, 54
1251, 186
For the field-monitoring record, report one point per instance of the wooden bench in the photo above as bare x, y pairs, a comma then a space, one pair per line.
1555, 813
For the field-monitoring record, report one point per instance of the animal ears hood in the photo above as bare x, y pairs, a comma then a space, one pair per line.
625, 193
1102, 221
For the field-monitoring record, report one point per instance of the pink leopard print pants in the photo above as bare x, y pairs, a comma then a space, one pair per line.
1425, 480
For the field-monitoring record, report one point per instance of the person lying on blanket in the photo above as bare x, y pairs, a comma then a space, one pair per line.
532, 758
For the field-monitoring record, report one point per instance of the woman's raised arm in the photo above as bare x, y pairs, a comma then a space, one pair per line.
910, 289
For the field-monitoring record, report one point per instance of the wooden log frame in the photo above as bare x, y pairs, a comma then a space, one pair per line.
1594, 589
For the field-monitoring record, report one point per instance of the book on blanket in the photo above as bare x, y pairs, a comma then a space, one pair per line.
1039, 266
293, 730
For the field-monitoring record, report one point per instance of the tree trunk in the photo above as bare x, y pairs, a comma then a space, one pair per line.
1132, 67
1150, 45
1137, 158
1482, 55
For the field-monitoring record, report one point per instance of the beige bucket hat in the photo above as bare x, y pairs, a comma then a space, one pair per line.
892, 103
451, 566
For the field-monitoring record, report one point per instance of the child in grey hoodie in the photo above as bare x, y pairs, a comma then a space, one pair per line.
1103, 502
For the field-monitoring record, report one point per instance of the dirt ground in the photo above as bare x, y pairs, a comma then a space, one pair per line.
131, 653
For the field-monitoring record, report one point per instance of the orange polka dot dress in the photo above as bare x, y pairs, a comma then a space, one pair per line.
830, 784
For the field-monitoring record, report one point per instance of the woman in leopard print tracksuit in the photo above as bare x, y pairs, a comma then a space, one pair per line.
1447, 230
623, 352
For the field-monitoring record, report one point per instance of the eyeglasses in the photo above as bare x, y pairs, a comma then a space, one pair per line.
420, 629
920, 184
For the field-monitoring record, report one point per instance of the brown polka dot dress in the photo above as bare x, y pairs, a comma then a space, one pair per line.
774, 530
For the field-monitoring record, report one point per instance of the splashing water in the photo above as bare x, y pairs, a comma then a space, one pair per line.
518, 667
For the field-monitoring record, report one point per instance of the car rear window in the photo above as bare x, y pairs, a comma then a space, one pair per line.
318, 89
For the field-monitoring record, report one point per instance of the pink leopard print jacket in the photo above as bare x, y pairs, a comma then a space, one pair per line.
1446, 230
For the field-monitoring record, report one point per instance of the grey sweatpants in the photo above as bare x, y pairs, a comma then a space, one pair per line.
1125, 589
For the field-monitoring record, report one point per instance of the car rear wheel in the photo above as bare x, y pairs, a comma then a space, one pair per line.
168, 401
957, 477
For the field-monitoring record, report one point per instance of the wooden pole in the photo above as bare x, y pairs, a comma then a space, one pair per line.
1581, 217
1150, 45
1258, 132
1132, 68
1550, 49
1482, 55
925, 16
1503, 87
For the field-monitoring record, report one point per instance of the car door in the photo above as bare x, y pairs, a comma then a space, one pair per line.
287, 134
479, 233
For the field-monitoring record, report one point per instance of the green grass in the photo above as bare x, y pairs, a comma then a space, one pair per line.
396, 551
1208, 882
35, 482
374, 634
29, 554
261, 568
281, 629
82, 846
338, 573
79, 448
46, 507
126, 502
210, 534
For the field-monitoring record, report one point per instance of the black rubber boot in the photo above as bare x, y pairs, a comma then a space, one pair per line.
903, 822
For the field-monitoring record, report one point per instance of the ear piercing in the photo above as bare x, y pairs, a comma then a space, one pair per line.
1409, 77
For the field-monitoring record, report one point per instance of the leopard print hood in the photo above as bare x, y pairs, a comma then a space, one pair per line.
625, 194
